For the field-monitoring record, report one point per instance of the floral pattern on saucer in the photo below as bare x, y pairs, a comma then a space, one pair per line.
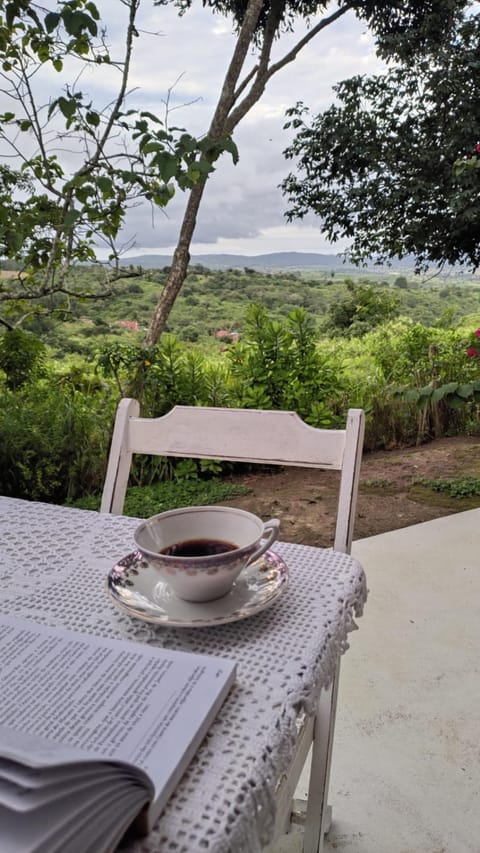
121, 574
134, 586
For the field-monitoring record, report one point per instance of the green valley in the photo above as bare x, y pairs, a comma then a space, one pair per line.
215, 300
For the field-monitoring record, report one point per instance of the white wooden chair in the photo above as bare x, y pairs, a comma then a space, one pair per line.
264, 437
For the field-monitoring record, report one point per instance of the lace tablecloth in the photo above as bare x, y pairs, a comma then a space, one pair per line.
53, 566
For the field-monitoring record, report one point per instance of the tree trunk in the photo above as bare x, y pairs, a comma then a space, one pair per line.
226, 100
178, 272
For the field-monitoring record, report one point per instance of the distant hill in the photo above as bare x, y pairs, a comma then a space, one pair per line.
272, 262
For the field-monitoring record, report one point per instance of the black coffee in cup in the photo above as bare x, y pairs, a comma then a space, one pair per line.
198, 548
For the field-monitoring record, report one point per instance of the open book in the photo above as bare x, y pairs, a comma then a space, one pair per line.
94, 734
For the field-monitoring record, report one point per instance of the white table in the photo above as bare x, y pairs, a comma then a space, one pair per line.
53, 566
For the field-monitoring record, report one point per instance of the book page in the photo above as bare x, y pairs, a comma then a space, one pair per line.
29, 778
48, 828
64, 695
17, 797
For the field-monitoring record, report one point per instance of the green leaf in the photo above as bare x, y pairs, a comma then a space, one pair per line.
149, 147
187, 143
92, 118
70, 218
426, 391
454, 402
67, 106
151, 116
90, 7
52, 20
76, 22
83, 193
465, 391
167, 165
229, 145
203, 167
438, 394
450, 387
128, 177
105, 185
10, 11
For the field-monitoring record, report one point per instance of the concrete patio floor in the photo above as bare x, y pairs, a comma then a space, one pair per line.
406, 761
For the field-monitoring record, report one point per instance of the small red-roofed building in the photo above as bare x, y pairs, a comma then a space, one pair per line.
227, 335
128, 324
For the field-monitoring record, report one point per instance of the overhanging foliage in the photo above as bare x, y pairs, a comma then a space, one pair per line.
380, 167
75, 166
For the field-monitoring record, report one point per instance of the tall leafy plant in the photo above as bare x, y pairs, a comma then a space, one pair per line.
279, 366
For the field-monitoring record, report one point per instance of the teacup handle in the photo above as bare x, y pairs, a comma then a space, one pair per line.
271, 530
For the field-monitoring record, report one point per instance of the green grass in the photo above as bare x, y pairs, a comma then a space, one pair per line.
145, 501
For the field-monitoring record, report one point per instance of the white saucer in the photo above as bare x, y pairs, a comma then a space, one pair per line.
135, 589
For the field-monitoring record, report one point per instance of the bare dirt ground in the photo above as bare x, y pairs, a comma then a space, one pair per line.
389, 497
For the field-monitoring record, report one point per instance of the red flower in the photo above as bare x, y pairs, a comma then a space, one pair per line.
477, 147
477, 333
472, 352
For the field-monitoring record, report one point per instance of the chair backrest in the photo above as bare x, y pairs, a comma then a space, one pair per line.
239, 435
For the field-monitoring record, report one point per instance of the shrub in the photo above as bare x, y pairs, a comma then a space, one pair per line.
362, 308
165, 375
279, 366
53, 442
411, 353
22, 357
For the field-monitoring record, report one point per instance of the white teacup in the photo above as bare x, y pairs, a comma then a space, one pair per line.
199, 551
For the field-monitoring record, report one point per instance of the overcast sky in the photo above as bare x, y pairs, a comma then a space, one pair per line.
243, 209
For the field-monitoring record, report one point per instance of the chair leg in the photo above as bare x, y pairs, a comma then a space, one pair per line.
319, 813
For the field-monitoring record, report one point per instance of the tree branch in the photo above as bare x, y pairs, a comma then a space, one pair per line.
37, 130
325, 22
227, 95
131, 33
40, 294
243, 85
263, 73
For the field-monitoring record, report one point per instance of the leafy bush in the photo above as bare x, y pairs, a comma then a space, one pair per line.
165, 375
53, 441
414, 354
427, 371
22, 357
362, 308
55, 429
279, 366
